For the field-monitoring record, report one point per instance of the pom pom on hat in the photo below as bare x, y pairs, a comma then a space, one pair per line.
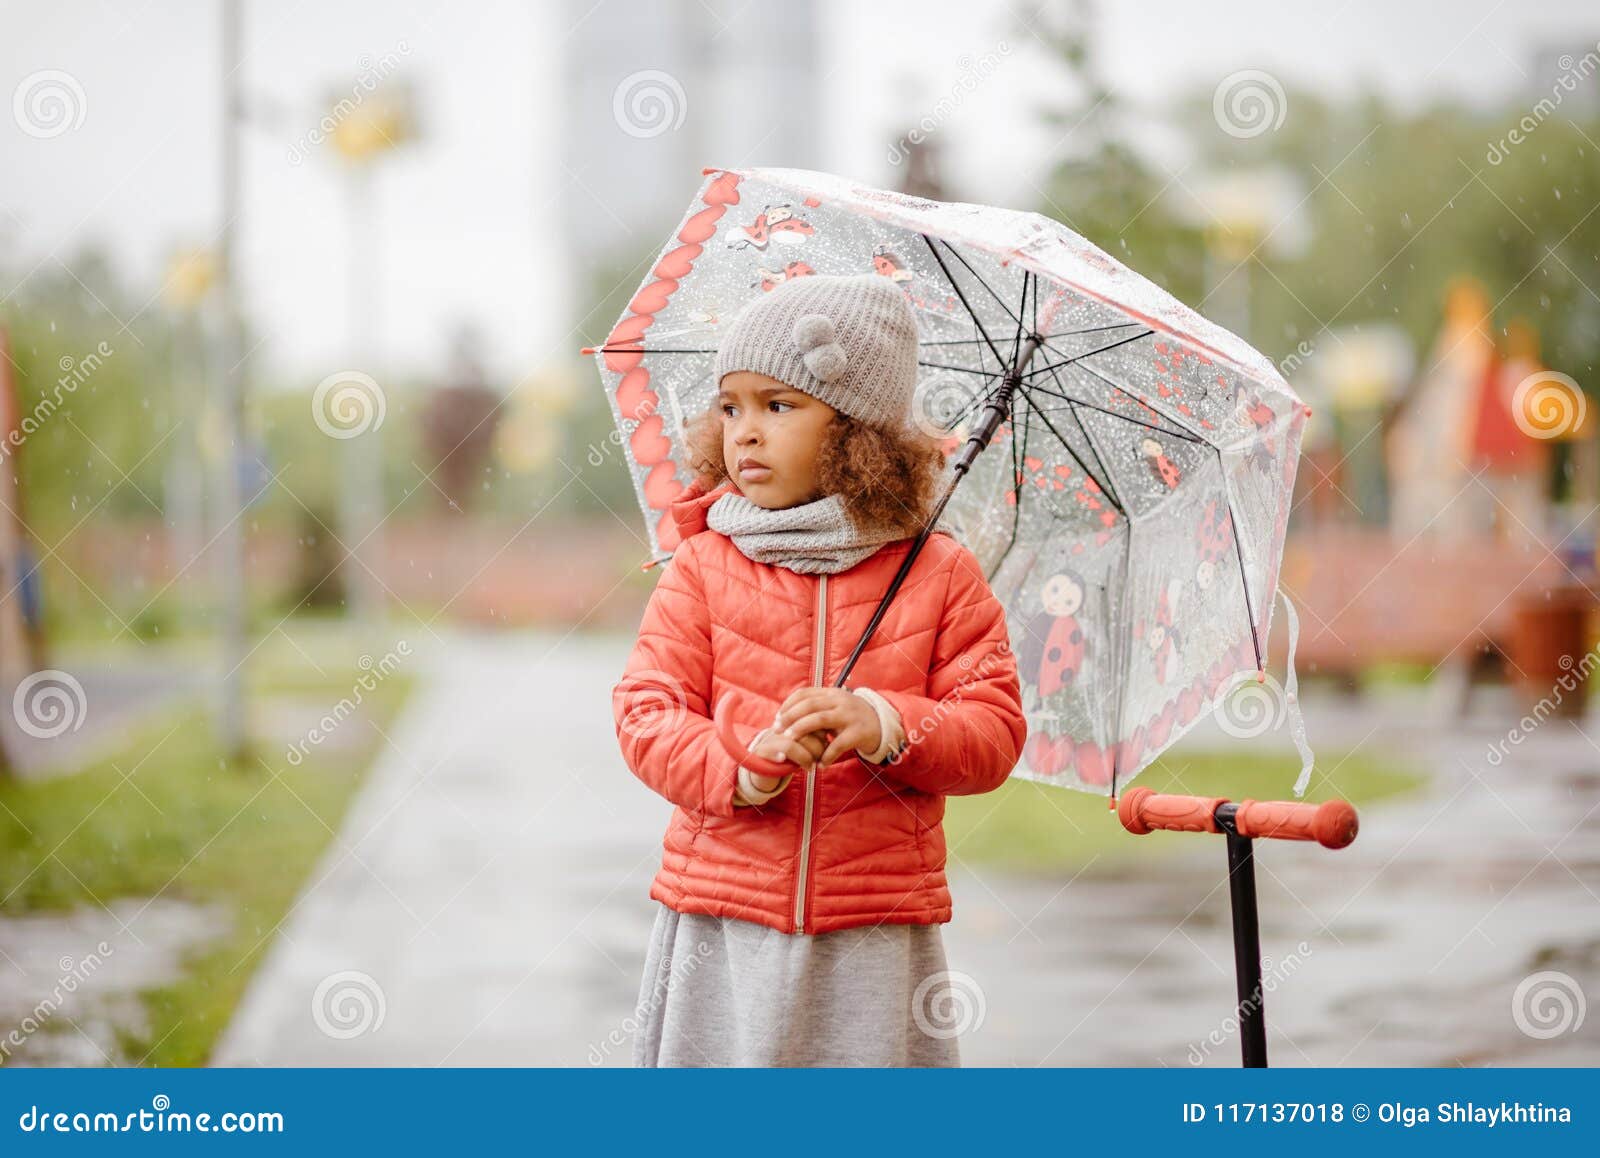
819, 347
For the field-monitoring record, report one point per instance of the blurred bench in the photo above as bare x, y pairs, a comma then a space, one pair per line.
1366, 597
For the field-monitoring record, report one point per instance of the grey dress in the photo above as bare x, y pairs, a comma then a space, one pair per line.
718, 991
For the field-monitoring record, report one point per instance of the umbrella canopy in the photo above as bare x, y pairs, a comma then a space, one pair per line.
1131, 498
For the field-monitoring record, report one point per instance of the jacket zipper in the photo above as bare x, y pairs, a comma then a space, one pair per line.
819, 649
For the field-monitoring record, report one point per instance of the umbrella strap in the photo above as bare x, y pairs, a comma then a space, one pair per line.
1297, 723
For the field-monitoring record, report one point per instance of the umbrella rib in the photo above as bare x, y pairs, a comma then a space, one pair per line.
1073, 359
979, 279
1126, 674
970, 311
1071, 401
1194, 435
1060, 334
1238, 552
1022, 308
976, 401
1105, 487
1176, 422
960, 369
1094, 449
1016, 497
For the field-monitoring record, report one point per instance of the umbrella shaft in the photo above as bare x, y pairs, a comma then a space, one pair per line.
996, 412
998, 408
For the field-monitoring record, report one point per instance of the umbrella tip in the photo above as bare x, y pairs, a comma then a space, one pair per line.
1308, 412
1111, 803
1261, 675
587, 350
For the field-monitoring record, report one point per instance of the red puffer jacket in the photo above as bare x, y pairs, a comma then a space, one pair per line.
725, 640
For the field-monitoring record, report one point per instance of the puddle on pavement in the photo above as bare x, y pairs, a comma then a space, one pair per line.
70, 982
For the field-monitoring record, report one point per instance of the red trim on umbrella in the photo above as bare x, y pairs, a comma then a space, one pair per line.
649, 442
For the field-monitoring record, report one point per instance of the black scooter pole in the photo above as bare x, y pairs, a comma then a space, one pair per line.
1332, 824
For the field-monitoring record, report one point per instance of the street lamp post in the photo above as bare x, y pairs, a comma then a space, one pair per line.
230, 497
365, 132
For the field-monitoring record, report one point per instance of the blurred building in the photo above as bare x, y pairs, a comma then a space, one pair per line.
658, 91
1566, 70
1430, 440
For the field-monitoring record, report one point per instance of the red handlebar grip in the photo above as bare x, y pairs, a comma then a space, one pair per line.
1142, 811
1332, 824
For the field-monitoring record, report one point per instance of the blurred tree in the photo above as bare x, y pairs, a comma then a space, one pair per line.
922, 171
321, 565
459, 424
1402, 203
1100, 186
1399, 204
93, 394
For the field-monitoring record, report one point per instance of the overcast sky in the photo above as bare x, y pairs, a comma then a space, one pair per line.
464, 222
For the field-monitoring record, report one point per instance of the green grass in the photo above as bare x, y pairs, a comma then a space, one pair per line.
167, 815
1027, 827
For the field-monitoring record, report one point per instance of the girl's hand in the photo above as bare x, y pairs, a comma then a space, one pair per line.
815, 711
774, 745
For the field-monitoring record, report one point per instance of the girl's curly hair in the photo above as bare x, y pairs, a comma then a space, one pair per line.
887, 479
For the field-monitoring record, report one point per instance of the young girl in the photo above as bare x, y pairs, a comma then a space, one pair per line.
801, 897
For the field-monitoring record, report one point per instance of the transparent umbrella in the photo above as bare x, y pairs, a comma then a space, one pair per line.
1120, 466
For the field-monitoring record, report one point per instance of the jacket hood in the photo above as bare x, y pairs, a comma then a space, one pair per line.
688, 510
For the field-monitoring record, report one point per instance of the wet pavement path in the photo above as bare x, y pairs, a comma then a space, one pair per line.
487, 901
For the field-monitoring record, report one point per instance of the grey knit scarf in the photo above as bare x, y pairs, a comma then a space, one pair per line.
809, 538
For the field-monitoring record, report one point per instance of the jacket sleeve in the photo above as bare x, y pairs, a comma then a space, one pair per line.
967, 734
664, 721
745, 792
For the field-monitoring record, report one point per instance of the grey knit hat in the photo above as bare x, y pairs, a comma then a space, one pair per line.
850, 341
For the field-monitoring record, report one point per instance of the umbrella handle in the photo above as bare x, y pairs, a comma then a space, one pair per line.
739, 748
1332, 824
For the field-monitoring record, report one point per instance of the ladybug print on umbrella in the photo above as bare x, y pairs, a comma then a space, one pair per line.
1261, 417
774, 224
1161, 465
887, 263
1054, 648
767, 278
1161, 636
1213, 541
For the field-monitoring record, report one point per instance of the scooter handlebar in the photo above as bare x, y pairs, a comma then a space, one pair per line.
1332, 824
1142, 811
